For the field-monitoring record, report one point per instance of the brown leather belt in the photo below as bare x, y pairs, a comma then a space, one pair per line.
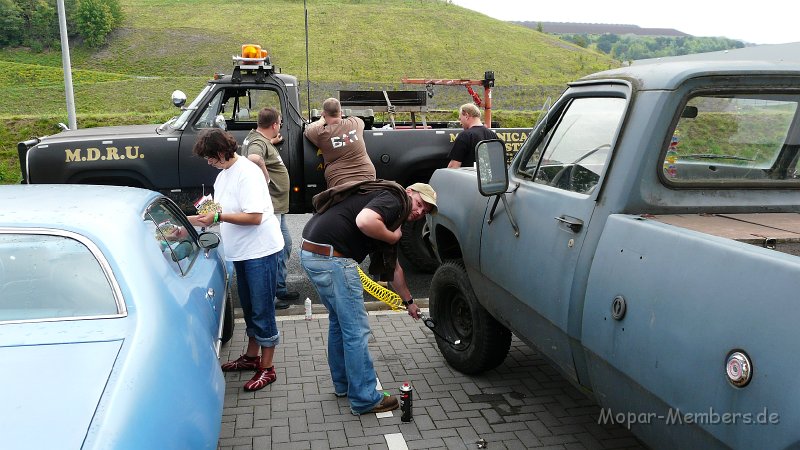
324, 250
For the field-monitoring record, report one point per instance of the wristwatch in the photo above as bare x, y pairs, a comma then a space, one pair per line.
410, 301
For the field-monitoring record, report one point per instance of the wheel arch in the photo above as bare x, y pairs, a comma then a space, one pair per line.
112, 178
447, 244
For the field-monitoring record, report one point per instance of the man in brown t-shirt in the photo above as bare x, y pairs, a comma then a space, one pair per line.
341, 140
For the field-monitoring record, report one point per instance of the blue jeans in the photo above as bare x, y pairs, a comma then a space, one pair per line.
255, 280
339, 287
284, 255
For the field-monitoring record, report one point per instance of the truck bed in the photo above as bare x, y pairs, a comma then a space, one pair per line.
776, 231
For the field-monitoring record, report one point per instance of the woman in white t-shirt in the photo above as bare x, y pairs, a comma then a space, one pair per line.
252, 237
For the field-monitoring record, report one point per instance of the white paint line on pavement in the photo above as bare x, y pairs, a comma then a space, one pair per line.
395, 441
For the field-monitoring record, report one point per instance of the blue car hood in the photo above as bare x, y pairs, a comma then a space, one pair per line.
49, 393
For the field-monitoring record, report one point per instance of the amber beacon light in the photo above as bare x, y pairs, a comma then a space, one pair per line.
253, 51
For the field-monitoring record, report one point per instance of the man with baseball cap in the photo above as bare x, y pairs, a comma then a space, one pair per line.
351, 222
427, 194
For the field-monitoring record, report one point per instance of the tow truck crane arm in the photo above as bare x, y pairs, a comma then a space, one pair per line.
487, 82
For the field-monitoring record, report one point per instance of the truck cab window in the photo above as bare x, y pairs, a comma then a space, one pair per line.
241, 106
575, 150
735, 139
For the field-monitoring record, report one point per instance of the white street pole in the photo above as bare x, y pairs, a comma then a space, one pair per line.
62, 26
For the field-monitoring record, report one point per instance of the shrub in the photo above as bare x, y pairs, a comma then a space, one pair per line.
42, 23
11, 23
95, 21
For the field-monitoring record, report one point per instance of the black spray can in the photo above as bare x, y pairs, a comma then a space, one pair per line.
406, 399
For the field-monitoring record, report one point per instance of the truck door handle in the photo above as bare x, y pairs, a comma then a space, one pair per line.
574, 224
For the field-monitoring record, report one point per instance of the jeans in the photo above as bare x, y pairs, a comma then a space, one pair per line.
255, 280
339, 287
284, 255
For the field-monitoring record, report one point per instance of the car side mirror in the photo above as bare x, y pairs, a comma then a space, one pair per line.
492, 168
220, 123
208, 240
178, 98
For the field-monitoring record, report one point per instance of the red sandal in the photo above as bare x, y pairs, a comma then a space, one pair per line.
261, 379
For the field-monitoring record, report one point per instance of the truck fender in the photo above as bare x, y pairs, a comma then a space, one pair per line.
22, 154
112, 178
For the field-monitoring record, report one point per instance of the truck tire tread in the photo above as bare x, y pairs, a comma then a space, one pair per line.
415, 249
485, 341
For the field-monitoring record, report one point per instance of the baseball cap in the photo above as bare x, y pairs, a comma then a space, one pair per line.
427, 194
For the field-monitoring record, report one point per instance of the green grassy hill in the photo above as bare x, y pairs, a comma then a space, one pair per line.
165, 45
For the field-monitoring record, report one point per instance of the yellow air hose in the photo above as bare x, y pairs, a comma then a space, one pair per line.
396, 303
381, 293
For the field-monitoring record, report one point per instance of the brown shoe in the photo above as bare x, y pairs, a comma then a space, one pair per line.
388, 403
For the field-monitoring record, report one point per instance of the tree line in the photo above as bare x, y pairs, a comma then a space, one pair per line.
34, 23
630, 47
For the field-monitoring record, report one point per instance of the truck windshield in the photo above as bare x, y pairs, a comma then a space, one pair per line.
181, 120
741, 138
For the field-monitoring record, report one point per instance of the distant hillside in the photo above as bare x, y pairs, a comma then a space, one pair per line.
178, 44
599, 28
631, 42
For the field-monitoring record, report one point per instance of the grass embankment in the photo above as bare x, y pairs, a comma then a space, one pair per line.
165, 45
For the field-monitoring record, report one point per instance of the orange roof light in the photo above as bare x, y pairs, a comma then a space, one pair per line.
253, 51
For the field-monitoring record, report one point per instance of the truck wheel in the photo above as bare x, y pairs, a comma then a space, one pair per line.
416, 250
228, 324
484, 341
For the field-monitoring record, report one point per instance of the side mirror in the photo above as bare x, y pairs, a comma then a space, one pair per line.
220, 123
178, 98
208, 240
492, 168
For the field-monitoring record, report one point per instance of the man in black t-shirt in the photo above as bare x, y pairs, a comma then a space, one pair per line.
463, 152
335, 241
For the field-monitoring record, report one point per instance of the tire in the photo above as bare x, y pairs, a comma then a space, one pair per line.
228, 324
484, 341
416, 250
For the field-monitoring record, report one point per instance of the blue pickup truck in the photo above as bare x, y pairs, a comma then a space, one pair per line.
645, 239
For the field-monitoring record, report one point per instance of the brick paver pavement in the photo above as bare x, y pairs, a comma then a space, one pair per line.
524, 403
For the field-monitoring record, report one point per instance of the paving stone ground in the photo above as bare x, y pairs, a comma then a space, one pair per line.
524, 403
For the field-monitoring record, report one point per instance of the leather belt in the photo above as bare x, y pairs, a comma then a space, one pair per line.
321, 249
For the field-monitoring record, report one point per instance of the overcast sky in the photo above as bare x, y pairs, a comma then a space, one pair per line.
758, 22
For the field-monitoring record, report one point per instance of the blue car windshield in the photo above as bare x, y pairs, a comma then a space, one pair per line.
46, 276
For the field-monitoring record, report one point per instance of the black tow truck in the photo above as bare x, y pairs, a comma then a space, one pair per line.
159, 157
